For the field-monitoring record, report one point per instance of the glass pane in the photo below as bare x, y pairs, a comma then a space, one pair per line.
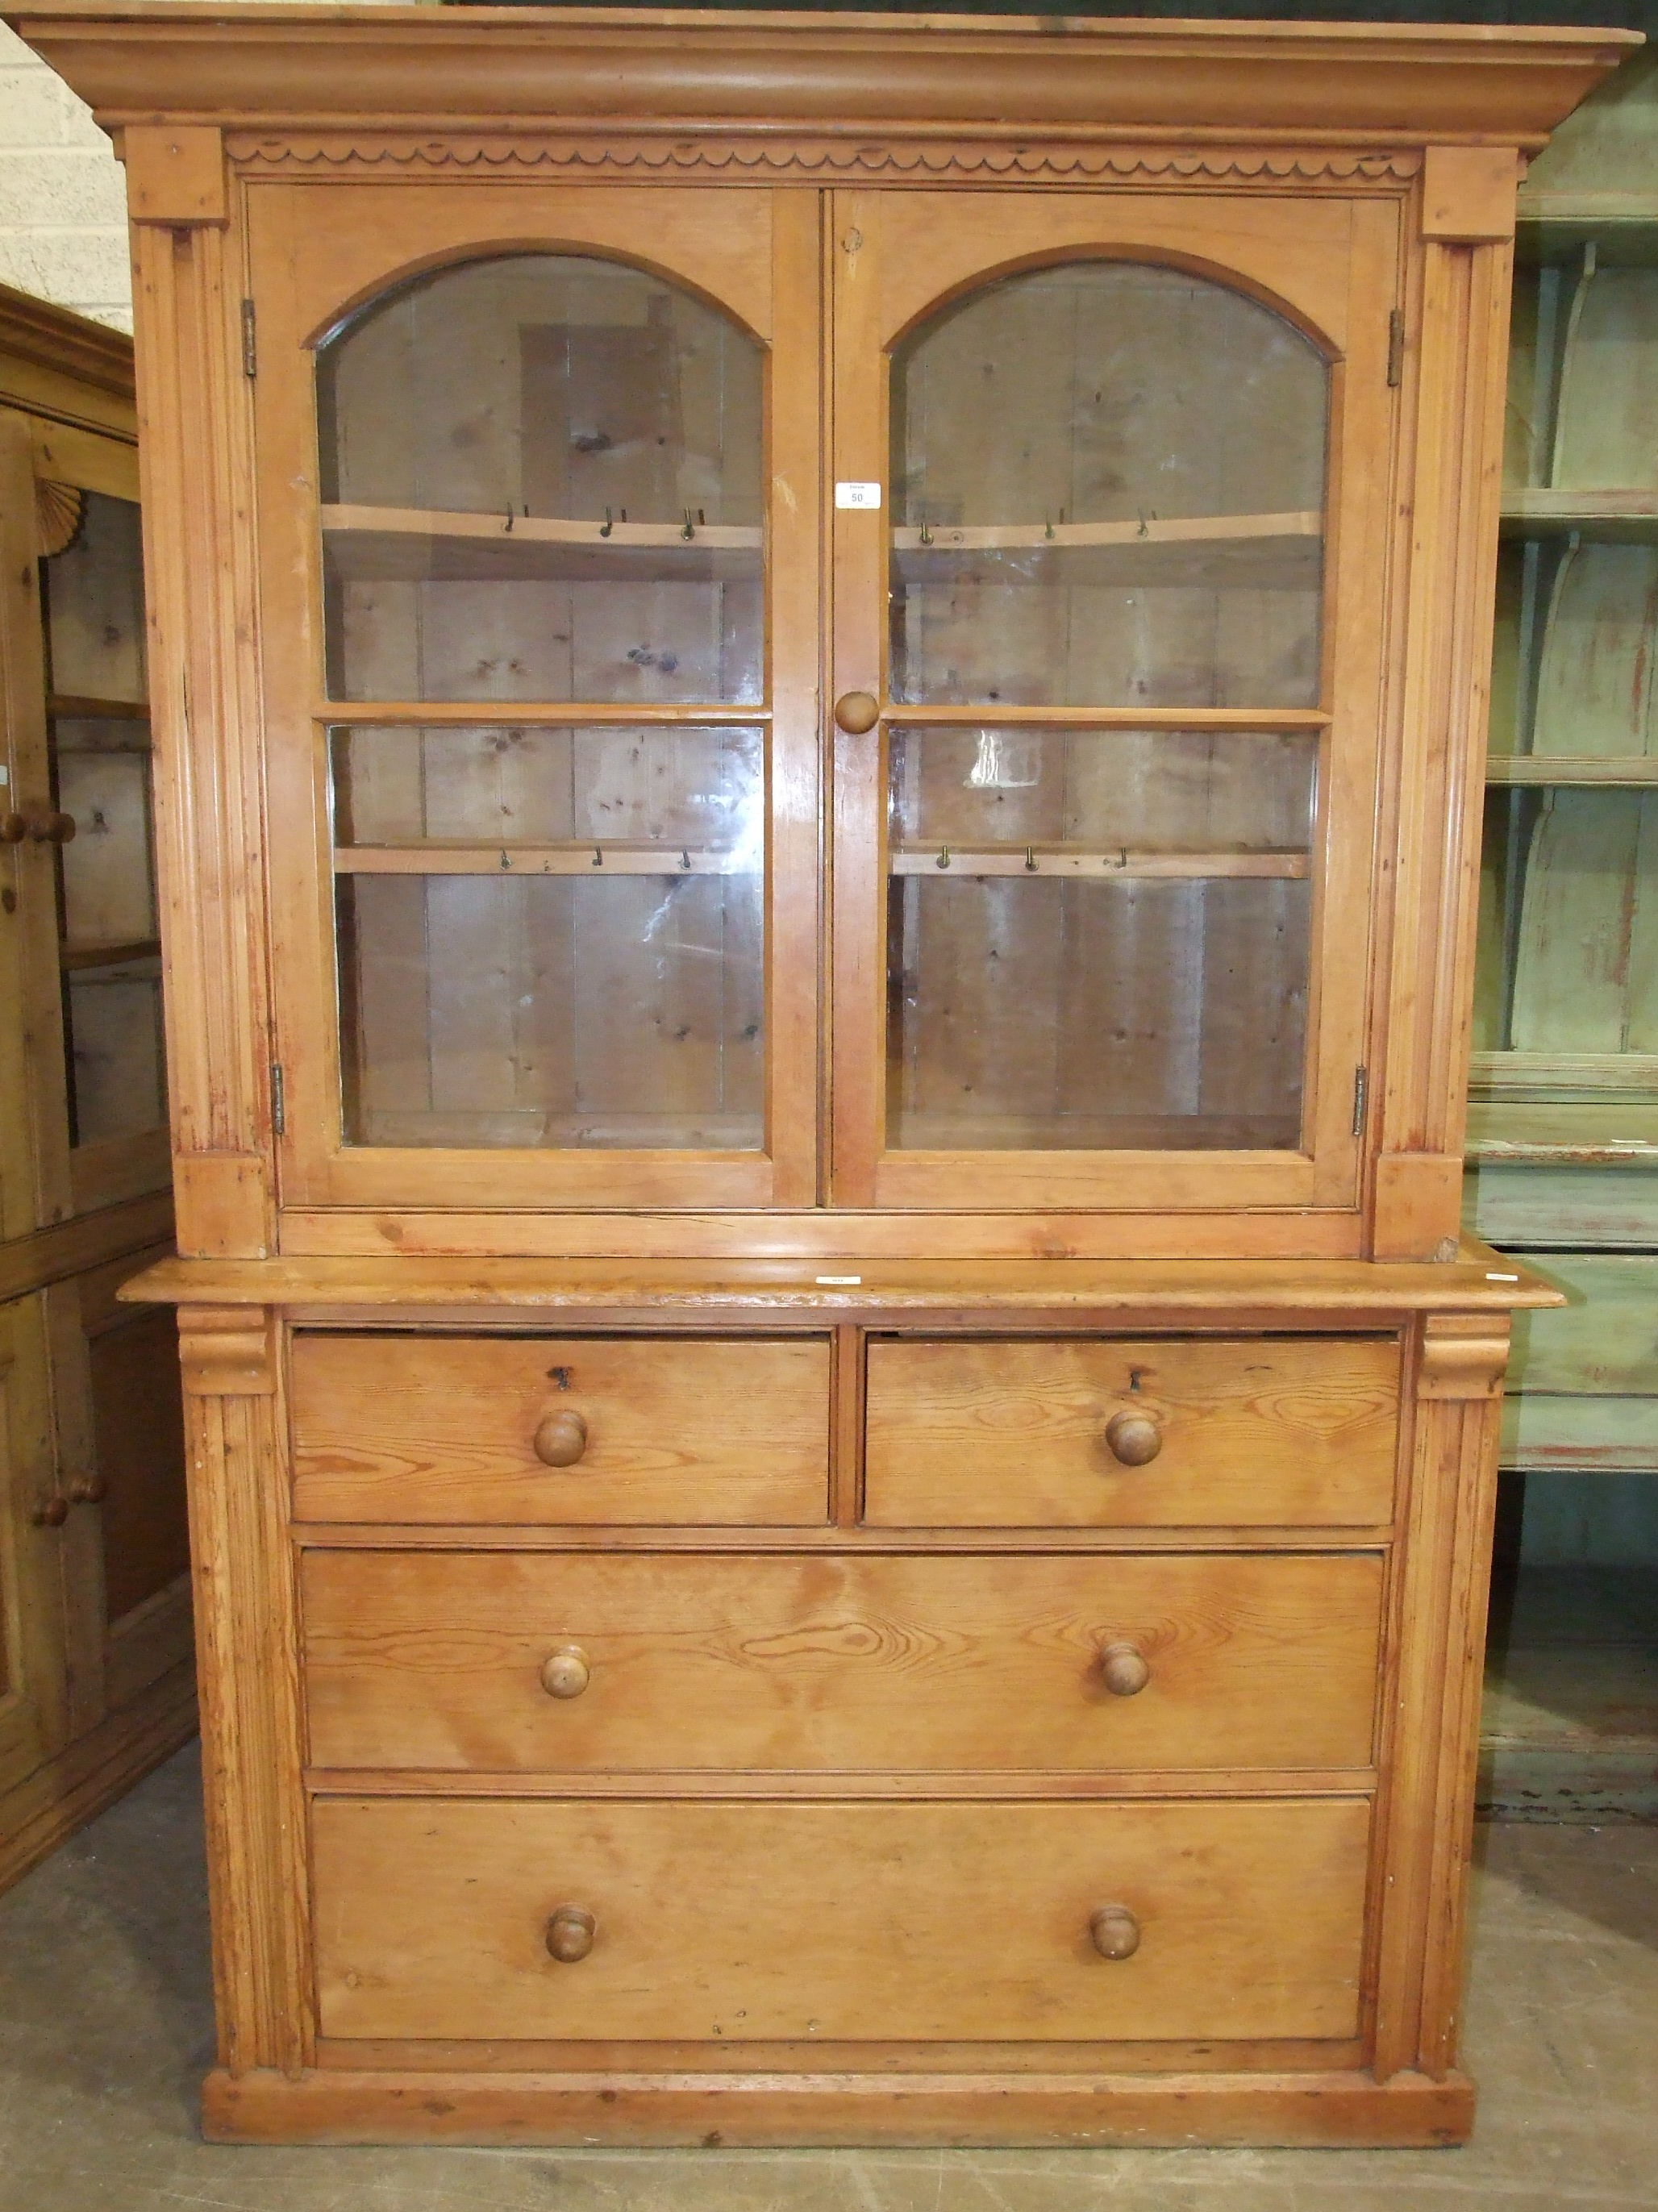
114, 1022
98, 743
94, 605
103, 780
542, 480
1108, 485
551, 937
1099, 939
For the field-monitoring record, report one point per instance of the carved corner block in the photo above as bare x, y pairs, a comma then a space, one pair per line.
227, 1352
176, 174
225, 1205
1463, 1356
1418, 1203
1469, 194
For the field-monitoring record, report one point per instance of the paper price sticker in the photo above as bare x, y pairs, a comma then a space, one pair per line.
858, 495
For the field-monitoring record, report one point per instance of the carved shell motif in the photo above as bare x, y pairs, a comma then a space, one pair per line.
58, 508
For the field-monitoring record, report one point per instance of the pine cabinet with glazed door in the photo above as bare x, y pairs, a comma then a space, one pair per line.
97, 1636
818, 959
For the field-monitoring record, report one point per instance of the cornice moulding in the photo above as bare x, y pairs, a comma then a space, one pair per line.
257, 65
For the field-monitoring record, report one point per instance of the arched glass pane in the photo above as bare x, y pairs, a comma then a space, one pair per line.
1108, 485
1107, 491
541, 479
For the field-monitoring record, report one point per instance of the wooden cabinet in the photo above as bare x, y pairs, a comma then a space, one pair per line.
94, 1606
1563, 1122
819, 955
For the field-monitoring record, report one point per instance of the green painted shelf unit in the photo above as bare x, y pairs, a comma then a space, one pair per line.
1564, 1113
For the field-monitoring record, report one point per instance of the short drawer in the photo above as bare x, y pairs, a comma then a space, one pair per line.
560, 1431
436, 1661
1242, 1433
927, 1920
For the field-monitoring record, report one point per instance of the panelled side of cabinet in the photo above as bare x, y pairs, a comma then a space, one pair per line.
97, 1583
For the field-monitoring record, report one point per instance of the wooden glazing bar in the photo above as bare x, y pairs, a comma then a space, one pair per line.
1111, 860
585, 859
524, 713
1263, 720
1032, 537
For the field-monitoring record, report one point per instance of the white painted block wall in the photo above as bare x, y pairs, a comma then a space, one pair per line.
63, 203
62, 206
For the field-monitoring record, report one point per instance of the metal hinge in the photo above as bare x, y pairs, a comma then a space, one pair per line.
1361, 1098
278, 1099
1395, 346
250, 344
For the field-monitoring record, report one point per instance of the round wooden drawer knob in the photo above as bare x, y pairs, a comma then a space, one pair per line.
51, 1513
855, 712
1122, 1669
89, 1490
1133, 1439
566, 1672
1115, 1931
570, 1934
561, 1439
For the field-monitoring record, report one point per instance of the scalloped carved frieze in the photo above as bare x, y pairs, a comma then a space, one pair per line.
912, 161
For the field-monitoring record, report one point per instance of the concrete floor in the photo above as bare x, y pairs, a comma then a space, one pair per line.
104, 2030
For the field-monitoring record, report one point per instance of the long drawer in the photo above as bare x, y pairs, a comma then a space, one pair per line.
1257, 1431
560, 1431
504, 1662
441, 1918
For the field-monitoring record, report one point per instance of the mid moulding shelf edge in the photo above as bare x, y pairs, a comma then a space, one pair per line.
545, 530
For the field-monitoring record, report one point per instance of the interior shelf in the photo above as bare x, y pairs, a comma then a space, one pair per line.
1205, 551
78, 708
1633, 770
114, 955
1629, 516
1114, 861
642, 857
424, 545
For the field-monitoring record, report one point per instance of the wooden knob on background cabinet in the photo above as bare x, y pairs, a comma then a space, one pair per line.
561, 1439
1115, 1931
855, 712
566, 1672
1133, 1439
570, 1934
44, 824
1123, 1669
89, 1490
51, 1513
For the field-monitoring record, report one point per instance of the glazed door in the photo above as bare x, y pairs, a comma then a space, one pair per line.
84, 1083
543, 728
1107, 677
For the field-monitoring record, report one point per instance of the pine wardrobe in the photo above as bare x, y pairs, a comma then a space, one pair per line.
820, 689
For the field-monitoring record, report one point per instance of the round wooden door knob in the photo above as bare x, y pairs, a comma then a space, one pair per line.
1133, 1439
53, 829
1115, 1931
570, 1934
855, 712
566, 1672
1123, 1669
561, 1439
51, 1513
89, 1490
